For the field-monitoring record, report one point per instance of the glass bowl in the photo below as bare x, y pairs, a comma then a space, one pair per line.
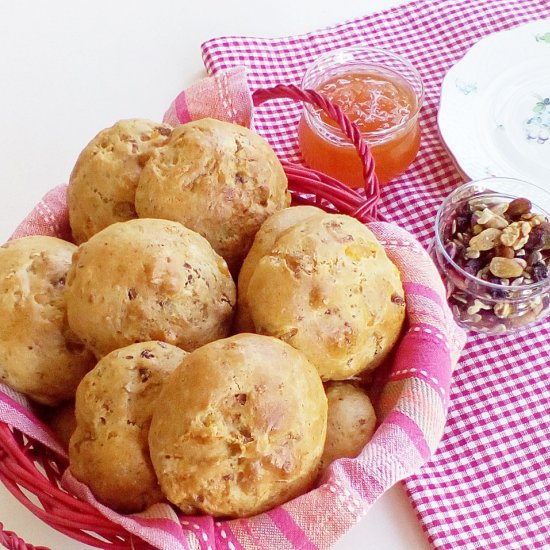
492, 249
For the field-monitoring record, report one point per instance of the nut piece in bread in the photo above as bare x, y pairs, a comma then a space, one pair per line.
351, 422
148, 279
109, 451
103, 183
239, 427
220, 179
327, 288
39, 355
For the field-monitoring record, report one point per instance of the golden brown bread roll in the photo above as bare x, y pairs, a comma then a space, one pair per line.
102, 186
265, 238
109, 451
219, 179
351, 422
148, 280
328, 289
39, 355
239, 427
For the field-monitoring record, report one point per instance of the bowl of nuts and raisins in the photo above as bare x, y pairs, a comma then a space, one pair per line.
492, 248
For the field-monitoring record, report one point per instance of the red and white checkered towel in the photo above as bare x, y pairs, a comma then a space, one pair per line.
489, 484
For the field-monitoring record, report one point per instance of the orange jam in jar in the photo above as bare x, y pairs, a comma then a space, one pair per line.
382, 94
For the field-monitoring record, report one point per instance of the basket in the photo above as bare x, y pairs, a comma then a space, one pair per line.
28, 467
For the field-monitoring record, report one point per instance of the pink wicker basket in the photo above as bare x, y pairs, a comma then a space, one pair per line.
27, 467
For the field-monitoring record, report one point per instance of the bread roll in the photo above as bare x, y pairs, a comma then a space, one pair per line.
351, 422
149, 280
265, 239
239, 427
103, 183
109, 451
327, 288
217, 178
39, 355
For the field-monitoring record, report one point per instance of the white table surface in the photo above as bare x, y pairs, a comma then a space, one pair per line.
71, 68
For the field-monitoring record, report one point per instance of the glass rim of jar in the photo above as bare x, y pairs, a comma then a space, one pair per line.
441, 247
384, 133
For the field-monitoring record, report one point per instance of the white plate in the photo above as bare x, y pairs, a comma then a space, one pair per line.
494, 112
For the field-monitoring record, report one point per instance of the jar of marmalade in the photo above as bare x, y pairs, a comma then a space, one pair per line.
382, 94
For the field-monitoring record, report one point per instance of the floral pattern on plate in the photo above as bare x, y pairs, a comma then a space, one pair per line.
537, 127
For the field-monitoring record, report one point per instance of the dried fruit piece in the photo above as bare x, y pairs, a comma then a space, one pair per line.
540, 272
538, 236
473, 265
518, 207
463, 222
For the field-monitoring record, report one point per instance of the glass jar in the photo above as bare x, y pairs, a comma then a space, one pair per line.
492, 248
382, 93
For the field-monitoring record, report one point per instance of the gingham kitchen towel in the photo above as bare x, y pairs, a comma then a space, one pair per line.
488, 485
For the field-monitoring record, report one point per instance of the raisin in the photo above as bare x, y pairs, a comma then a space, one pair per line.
241, 398
495, 292
463, 223
396, 299
540, 272
144, 374
473, 265
538, 236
